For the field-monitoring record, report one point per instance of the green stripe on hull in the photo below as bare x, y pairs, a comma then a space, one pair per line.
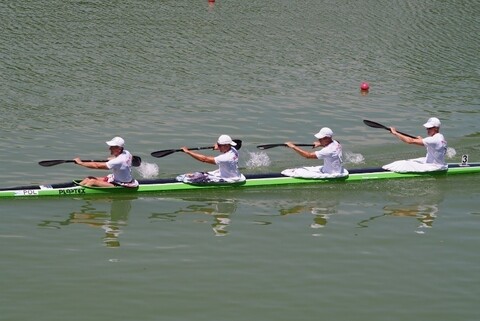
356, 175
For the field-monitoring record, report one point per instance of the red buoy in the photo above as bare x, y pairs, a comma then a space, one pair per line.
364, 86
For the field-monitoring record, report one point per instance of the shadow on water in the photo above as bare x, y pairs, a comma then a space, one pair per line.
112, 222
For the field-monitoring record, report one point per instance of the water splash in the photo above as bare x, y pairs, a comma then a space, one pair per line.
258, 159
353, 158
451, 152
148, 170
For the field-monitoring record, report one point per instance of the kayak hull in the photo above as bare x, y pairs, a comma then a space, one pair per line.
254, 180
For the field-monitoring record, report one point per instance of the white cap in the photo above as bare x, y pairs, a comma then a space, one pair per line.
432, 122
116, 141
225, 140
324, 132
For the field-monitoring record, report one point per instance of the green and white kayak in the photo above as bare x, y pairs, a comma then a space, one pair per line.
70, 189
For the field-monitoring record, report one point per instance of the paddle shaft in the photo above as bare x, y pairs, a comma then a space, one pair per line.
136, 161
373, 124
166, 152
268, 146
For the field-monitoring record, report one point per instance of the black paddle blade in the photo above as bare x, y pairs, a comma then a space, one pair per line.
377, 125
374, 124
238, 142
163, 153
53, 162
136, 161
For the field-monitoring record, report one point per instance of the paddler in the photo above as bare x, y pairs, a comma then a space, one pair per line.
435, 144
120, 163
227, 162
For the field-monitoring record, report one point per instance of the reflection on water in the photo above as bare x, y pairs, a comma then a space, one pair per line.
112, 222
420, 203
424, 213
321, 211
220, 209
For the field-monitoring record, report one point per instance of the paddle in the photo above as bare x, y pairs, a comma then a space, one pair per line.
377, 125
47, 163
268, 146
166, 152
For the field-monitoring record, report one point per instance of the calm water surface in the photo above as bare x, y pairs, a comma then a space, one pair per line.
163, 74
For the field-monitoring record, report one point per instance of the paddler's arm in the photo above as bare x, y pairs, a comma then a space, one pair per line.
416, 141
302, 152
200, 157
93, 165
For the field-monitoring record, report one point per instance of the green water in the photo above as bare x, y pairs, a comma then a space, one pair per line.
163, 74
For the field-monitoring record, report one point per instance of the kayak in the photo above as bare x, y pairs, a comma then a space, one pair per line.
253, 180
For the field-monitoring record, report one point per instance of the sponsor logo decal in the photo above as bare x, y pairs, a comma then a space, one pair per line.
71, 191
